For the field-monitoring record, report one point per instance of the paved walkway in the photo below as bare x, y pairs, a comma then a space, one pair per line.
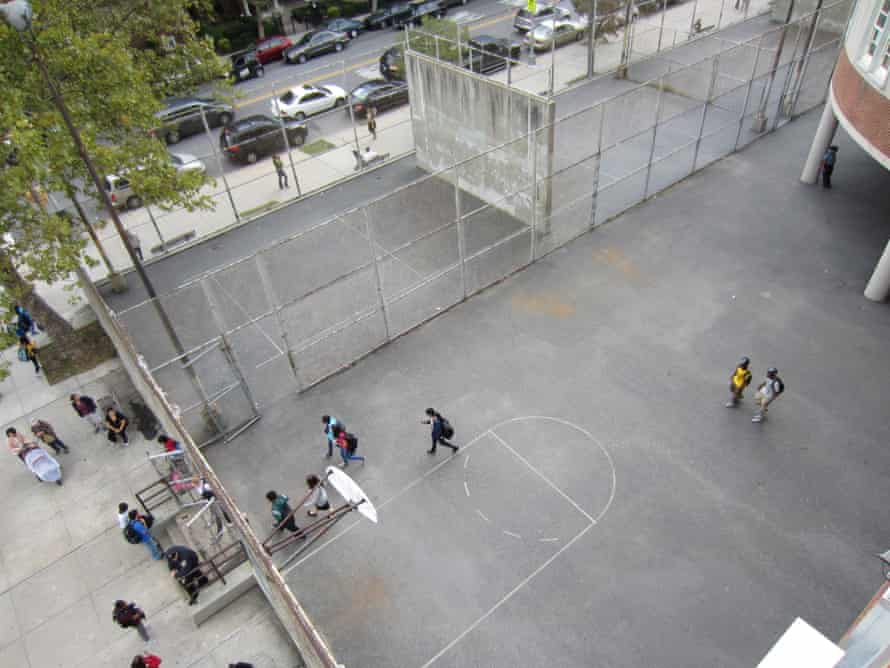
641, 523
63, 561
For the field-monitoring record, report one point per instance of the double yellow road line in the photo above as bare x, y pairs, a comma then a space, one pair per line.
364, 63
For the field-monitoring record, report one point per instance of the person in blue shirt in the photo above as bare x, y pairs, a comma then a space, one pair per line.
330, 424
141, 530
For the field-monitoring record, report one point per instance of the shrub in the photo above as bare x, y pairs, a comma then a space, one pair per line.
333, 12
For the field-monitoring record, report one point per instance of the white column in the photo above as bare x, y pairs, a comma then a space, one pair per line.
822, 140
878, 287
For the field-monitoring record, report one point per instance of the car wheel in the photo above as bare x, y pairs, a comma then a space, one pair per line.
251, 157
299, 116
225, 118
172, 137
338, 47
134, 202
302, 58
260, 73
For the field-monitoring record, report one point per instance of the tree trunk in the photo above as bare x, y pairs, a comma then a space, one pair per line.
21, 292
260, 28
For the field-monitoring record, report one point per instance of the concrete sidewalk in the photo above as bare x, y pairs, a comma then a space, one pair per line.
63, 560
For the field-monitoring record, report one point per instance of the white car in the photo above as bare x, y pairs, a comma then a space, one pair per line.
303, 101
185, 162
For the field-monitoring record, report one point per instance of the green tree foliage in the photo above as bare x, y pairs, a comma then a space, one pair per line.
439, 38
113, 61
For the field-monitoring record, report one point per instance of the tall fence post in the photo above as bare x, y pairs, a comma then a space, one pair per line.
461, 237
805, 62
664, 8
290, 156
219, 164
704, 111
235, 365
599, 159
753, 76
783, 96
381, 297
154, 224
275, 303
760, 119
654, 137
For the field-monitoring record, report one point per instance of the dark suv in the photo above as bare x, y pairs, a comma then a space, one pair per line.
255, 137
182, 117
489, 54
419, 10
386, 17
392, 64
245, 66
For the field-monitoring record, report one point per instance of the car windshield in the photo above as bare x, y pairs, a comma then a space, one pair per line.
543, 31
305, 39
288, 97
362, 92
524, 13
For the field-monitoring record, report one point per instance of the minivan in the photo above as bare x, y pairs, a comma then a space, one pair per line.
255, 137
121, 192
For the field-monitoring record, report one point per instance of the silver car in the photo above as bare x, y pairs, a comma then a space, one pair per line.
524, 21
557, 33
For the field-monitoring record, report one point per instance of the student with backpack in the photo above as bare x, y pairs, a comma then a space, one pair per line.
137, 531
441, 430
828, 161
348, 444
738, 381
330, 425
128, 615
282, 513
767, 392
85, 407
146, 660
28, 352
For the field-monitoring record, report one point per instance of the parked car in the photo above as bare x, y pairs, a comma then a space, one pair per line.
182, 117
489, 54
315, 44
392, 64
420, 10
302, 101
121, 192
245, 66
185, 162
272, 48
350, 27
557, 33
254, 137
386, 17
378, 94
524, 21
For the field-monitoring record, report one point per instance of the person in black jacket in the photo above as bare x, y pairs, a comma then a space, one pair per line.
183, 564
441, 430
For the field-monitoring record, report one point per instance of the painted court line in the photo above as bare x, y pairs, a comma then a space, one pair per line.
482, 515
514, 535
544, 478
506, 598
466, 488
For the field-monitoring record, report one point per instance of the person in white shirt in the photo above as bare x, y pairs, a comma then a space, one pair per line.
122, 515
767, 392
319, 497
369, 156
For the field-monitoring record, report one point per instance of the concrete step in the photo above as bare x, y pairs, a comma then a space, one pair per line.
218, 595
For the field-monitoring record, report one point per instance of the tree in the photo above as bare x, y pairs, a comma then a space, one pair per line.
112, 62
440, 38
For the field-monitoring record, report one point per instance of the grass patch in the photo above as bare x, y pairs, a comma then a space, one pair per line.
316, 147
260, 209
80, 351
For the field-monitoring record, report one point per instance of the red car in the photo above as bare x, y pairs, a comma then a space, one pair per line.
272, 48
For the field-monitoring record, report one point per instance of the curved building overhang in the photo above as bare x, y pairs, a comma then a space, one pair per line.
861, 109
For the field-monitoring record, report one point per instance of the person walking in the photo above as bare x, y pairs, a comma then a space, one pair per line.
85, 407
123, 515
129, 615
28, 352
372, 122
183, 564
44, 431
283, 516
24, 322
135, 243
117, 424
348, 444
828, 161
319, 498
738, 381
279, 169
767, 392
138, 527
16, 442
145, 660
441, 430
330, 424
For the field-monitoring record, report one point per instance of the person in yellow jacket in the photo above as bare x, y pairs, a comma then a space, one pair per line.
739, 380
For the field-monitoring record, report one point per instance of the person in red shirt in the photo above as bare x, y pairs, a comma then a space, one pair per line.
146, 661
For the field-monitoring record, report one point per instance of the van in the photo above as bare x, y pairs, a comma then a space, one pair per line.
121, 192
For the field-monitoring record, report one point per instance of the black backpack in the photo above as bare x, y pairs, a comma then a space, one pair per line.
447, 429
780, 386
131, 536
351, 442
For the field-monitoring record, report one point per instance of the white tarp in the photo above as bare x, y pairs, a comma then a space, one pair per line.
802, 646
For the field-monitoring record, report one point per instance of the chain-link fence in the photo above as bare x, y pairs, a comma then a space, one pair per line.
297, 312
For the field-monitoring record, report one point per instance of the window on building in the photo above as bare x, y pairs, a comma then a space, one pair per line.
878, 50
